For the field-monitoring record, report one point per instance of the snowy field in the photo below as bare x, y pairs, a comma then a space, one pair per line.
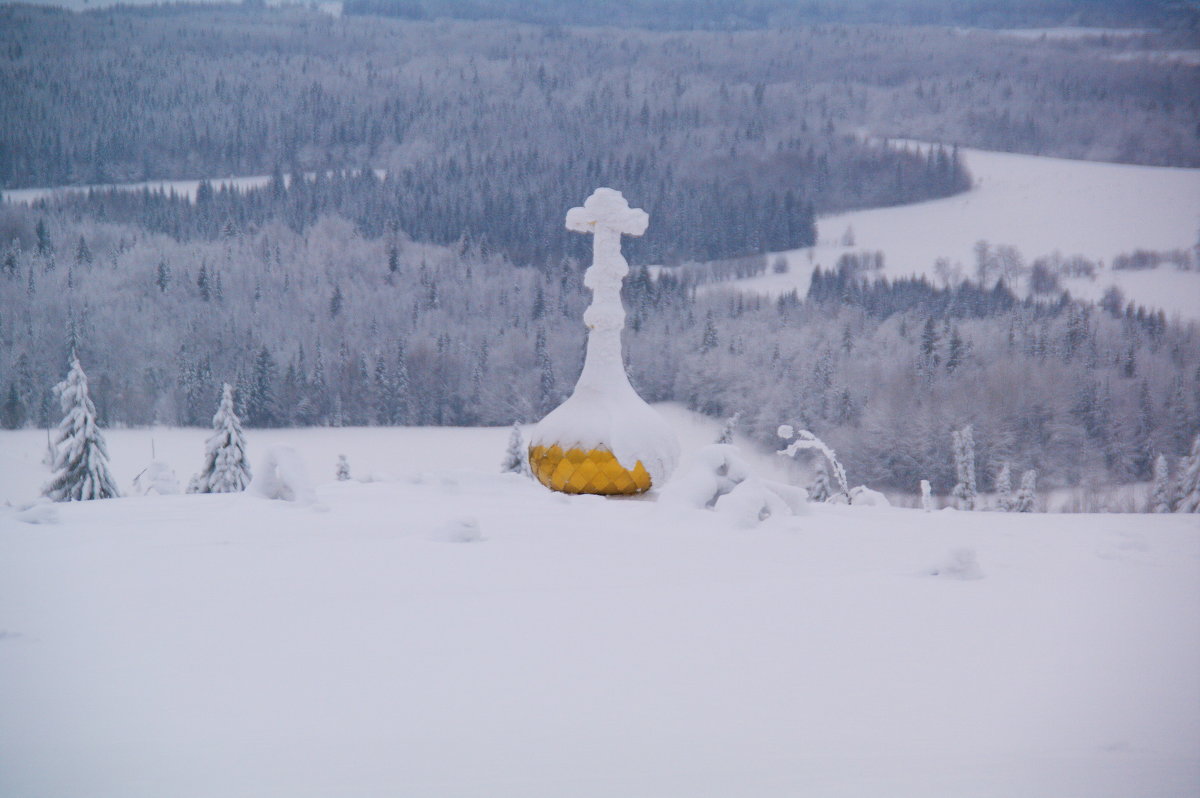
1039, 205
450, 631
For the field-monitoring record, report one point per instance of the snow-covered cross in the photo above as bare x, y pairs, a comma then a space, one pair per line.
607, 216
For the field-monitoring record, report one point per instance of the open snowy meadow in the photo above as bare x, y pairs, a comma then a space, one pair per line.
442, 629
1040, 206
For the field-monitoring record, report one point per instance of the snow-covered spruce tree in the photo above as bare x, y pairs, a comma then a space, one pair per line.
80, 458
343, 468
820, 489
1162, 500
964, 467
1189, 481
727, 430
926, 496
226, 469
1004, 497
516, 456
1027, 495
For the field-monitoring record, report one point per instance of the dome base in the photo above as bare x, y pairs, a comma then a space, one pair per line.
594, 471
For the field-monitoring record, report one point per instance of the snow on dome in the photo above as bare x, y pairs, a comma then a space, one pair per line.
604, 412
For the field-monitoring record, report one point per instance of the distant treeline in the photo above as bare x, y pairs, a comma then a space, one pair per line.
443, 201
740, 14
329, 327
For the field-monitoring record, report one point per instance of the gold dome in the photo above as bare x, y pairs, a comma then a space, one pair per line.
586, 471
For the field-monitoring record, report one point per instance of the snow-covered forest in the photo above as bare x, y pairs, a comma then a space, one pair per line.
406, 263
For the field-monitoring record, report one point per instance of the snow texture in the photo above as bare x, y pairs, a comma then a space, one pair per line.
719, 478
604, 411
458, 530
282, 475
214, 645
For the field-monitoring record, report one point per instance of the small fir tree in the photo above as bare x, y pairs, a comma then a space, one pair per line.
1027, 495
820, 490
926, 496
964, 466
226, 469
727, 430
516, 458
1161, 500
343, 468
1004, 497
1189, 481
80, 458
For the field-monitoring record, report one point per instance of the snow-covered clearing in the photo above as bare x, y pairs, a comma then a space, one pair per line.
1039, 205
451, 631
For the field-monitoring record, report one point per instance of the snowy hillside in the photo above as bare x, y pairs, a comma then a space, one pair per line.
1040, 206
451, 631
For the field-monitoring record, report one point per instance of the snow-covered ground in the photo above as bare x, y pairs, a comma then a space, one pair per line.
451, 631
1040, 206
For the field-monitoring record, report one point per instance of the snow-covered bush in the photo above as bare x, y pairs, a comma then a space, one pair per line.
806, 440
1189, 481
343, 468
926, 496
282, 475
727, 430
1027, 495
964, 467
226, 468
1162, 500
862, 496
80, 458
516, 456
158, 478
820, 490
1004, 497
720, 479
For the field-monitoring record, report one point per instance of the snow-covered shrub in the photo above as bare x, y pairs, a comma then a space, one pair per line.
1189, 482
226, 468
751, 502
727, 430
80, 458
820, 490
282, 475
1027, 495
926, 496
964, 467
516, 456
720, 479
158, 478
1004, 497
865, 497
806, 440
343, 468
1162, 500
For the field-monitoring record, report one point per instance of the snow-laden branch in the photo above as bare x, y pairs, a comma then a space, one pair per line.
806, 440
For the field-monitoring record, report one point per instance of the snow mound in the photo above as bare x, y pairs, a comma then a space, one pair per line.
862, 496
458, 530
719, 479
157, 478
281, 475
961, 564
41, 512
